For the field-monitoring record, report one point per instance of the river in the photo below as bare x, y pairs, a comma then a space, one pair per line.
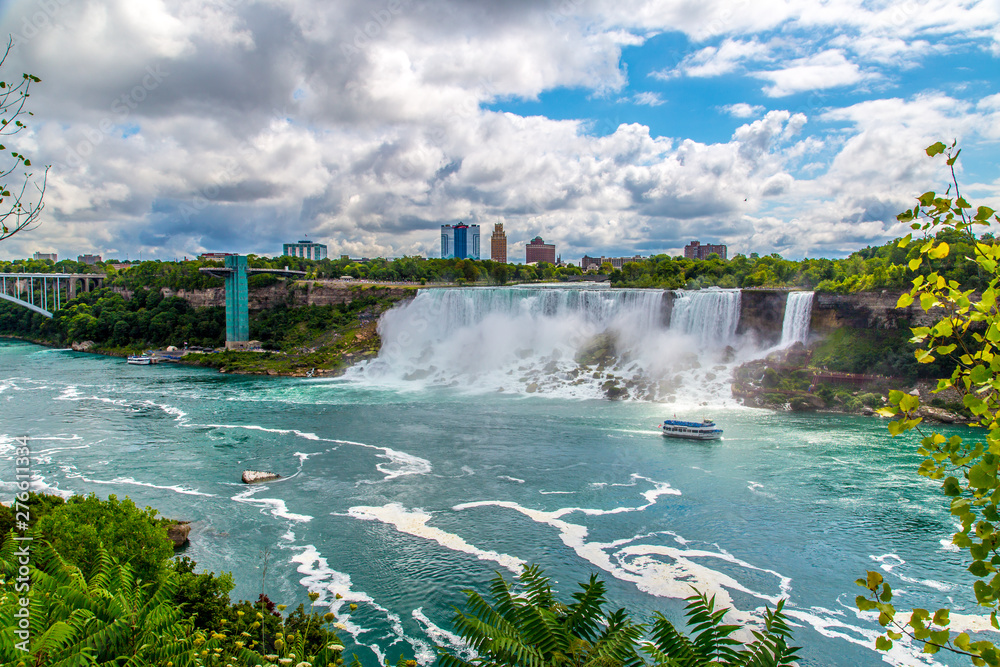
475, 444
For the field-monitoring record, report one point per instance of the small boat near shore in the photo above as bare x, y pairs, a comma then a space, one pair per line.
140, 359
703, 430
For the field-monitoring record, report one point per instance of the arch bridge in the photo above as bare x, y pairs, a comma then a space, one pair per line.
44, 293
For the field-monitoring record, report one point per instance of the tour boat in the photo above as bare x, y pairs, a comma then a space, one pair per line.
704, 430
140, 360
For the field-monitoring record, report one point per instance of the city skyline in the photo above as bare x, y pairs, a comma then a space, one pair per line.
620, 128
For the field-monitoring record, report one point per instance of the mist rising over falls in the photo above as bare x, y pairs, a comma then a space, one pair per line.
675, 346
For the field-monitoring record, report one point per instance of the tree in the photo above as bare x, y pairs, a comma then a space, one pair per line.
500, 273
967, 333
20, 205
83, 526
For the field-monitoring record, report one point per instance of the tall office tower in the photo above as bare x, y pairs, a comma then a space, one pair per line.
498, 244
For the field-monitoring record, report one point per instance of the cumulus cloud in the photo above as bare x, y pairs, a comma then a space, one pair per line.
182, 127
743, 110
829, 69
716, 60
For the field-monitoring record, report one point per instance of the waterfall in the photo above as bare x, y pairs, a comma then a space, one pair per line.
798, 312
709, 315
582, 342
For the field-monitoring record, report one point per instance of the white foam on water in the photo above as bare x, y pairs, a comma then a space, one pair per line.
72, 393
407, 464
634, 564
444, 638
276, 507
511, 479
902, 654
414, 522
758, 488
888, 563
556, 493
329, 583
948, 545
129, 481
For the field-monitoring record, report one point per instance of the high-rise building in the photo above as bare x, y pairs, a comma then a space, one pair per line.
588, 263
538, 250
45, 255
498, 244
696, 250
88, 259
306, 249
460, 241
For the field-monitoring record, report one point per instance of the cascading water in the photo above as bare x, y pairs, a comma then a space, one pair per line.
798, 313
579, 342
709, 315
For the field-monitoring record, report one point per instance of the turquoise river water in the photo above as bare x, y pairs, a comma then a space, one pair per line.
398, 495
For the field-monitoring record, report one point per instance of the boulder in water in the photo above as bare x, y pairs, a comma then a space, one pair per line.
252, 476
613, 391
598, 351
178, 533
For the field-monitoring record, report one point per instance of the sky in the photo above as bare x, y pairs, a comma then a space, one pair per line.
608, 127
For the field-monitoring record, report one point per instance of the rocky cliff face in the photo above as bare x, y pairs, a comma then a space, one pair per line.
762, 312
865, 310
299, 293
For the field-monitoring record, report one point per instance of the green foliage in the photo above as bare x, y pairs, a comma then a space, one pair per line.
110, 618
965, 336
38, 504
525, 625
80, 528
204, 597
529, 627
713, 644
887, 352
107, 614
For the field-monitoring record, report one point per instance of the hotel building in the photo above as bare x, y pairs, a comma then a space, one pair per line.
305, 249
460, 241
538, 250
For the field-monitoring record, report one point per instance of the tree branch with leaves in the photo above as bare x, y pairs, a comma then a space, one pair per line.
966, 333
21, 193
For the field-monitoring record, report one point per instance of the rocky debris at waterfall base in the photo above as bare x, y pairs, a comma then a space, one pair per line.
785, 380
599, 351
85, 346
254, 476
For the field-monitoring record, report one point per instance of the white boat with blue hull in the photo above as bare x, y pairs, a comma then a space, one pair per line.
140, 359
703, 430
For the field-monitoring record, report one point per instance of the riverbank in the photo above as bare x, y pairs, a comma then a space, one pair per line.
792, 380
297, 329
